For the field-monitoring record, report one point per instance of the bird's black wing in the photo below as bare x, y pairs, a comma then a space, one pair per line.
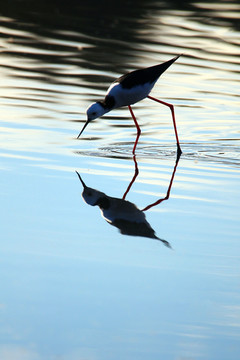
143, 76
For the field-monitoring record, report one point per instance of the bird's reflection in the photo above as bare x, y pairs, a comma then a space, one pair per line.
123, 214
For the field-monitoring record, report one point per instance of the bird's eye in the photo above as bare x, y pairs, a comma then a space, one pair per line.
94, 113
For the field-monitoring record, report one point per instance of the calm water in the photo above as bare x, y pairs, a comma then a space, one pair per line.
72, 286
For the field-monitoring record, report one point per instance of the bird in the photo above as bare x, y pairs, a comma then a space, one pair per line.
130, 89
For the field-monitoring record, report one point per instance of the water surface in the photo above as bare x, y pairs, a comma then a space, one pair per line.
73, 286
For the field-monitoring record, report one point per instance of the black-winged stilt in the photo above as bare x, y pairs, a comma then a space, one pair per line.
130, 89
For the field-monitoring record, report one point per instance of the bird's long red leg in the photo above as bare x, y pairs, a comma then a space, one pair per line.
171, 107
138, 128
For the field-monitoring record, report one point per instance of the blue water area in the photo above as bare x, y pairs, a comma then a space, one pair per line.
106, 255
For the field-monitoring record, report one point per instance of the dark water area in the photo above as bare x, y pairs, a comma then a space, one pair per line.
145, 264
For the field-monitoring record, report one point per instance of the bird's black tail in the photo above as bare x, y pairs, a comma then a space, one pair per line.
148, 75
159, 69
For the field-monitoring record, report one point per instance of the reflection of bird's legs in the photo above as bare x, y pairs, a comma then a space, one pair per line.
134, 177
169, 188
138, 128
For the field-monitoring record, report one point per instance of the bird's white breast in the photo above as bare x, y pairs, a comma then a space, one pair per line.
124, 97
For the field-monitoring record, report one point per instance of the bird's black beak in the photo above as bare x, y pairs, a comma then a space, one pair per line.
86, 123
83, 184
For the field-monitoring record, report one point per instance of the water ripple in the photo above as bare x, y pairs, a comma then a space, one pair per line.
191, 151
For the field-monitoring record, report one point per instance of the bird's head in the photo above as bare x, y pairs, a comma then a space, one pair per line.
94, 111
